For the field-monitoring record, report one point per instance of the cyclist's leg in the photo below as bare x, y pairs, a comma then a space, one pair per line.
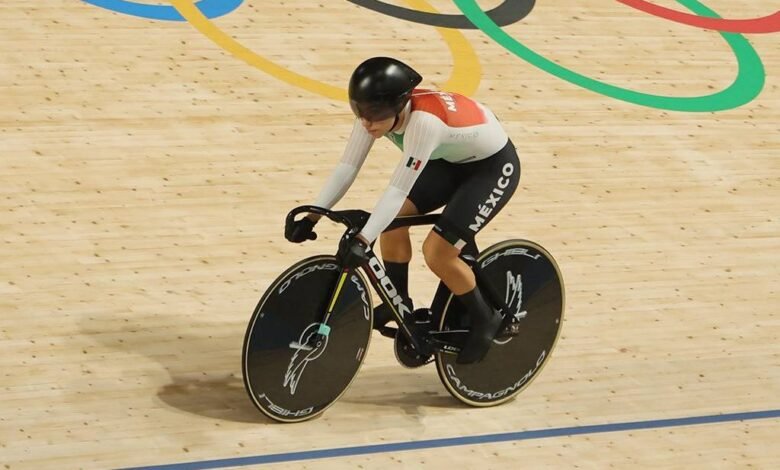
431, 191
396, 249
488, 187
434, 187
395, 245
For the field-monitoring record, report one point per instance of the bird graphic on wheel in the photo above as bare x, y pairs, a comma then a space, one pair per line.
304, 353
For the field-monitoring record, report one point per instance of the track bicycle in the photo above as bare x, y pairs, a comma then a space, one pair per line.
310, 331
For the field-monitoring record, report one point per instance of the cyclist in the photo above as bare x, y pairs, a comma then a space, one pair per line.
455, 154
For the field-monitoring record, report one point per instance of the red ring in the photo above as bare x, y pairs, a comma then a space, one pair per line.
766, 24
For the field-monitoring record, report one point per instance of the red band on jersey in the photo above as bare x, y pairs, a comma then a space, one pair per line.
453, 109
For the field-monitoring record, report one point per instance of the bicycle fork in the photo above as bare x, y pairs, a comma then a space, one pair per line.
387, 292
324, 329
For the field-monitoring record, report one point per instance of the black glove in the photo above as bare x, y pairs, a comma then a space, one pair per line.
300, 231
353, 253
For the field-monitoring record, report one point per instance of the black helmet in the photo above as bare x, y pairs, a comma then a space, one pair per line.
380, 88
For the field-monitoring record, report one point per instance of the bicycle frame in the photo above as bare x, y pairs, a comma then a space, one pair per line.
354, 220
402, 311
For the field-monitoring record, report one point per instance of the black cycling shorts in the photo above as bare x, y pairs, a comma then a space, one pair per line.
472, 193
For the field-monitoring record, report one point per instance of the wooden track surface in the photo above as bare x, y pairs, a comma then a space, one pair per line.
146, 173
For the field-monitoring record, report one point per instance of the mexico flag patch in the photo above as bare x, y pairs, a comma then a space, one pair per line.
413, 163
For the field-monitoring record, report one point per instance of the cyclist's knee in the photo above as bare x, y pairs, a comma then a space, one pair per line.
396, 244
408, 208
394, 236
400, 234
439, 253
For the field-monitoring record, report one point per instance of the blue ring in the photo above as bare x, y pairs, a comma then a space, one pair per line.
209, 8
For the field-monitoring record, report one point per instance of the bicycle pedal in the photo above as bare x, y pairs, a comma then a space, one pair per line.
510, 331
388, 331
449, 341
422, 317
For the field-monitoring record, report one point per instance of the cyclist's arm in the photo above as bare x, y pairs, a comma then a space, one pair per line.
422, 136
360, 142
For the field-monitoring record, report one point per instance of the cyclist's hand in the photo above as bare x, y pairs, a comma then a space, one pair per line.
300, 231
353, 253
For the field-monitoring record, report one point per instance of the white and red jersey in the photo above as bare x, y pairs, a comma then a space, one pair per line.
437, 125
460, 129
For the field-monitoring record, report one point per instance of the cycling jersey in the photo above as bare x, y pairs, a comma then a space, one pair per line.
439, 126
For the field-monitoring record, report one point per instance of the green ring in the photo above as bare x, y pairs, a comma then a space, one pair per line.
747, 85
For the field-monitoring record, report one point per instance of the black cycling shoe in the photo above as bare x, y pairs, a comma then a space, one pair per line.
485, 326
384, 315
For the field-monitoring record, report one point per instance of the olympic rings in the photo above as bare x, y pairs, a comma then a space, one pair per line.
465, 75
747, 85
509, 12
466, 71
210, 8
765, 24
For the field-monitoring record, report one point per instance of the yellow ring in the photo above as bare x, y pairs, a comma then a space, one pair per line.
465, 76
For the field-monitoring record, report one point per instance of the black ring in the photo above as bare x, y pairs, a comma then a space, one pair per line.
509, 12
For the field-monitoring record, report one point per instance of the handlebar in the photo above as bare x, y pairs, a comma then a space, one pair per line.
355, 219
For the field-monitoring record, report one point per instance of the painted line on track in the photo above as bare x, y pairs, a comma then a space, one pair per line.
508, 13
465, 76
747, 85
466, 440
764, 24
209, 8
